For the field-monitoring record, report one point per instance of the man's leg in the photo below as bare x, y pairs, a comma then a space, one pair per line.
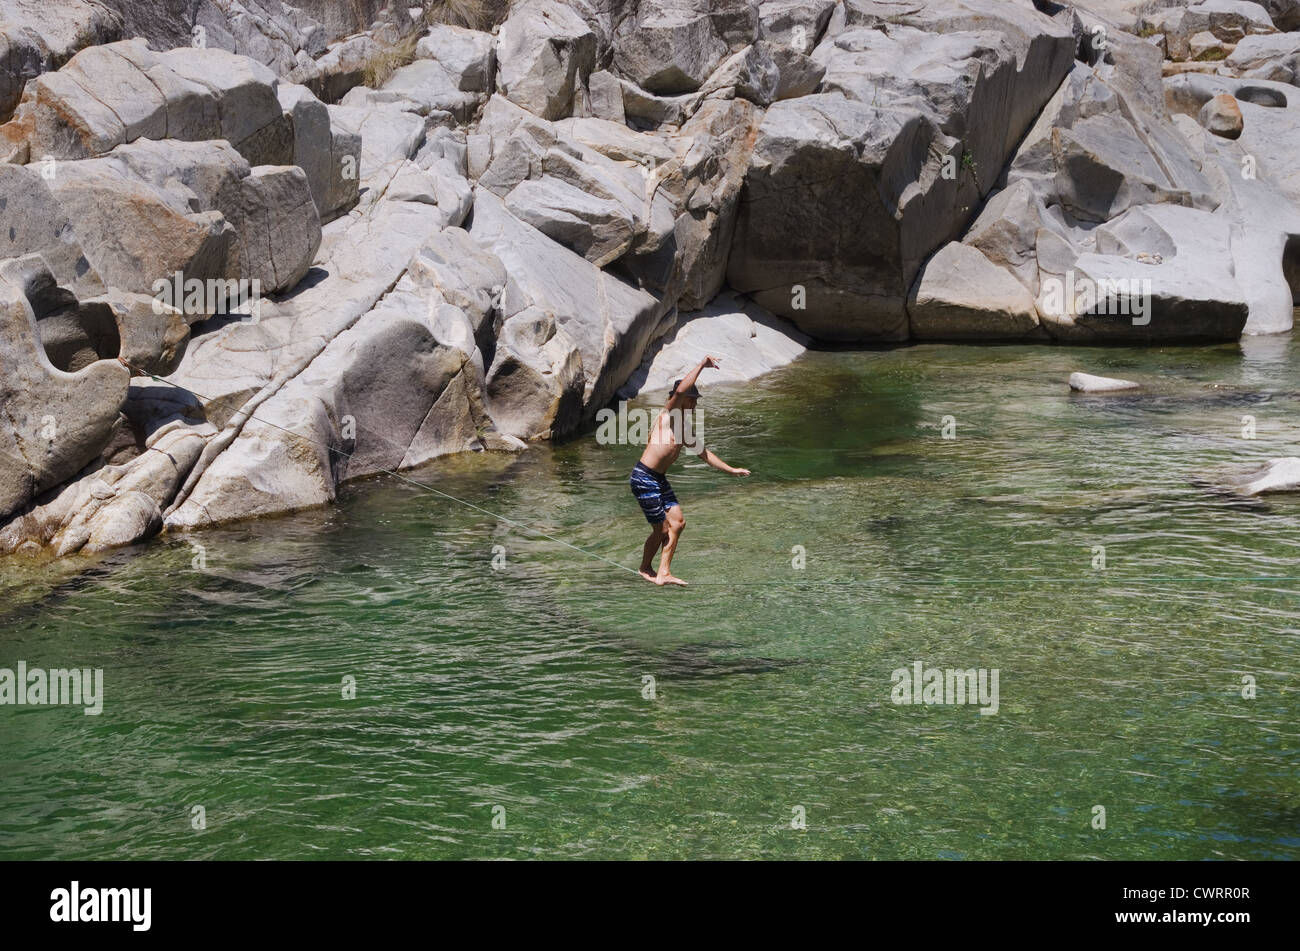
652, 545
674, 524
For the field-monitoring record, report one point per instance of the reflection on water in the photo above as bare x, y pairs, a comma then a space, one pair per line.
611, 719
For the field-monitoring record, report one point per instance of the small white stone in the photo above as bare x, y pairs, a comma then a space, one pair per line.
1087, 383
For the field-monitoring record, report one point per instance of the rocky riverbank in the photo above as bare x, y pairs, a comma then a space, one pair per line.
249, 251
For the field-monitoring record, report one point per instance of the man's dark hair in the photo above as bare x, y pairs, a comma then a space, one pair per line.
693, 391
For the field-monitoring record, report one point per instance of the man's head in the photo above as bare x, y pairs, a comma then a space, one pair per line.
687, 397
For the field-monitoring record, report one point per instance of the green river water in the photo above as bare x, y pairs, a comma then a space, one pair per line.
518, 693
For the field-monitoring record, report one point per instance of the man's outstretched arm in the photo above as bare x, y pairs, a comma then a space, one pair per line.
712, 459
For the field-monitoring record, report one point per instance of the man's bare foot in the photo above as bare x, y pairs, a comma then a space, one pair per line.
662, 580
647, 574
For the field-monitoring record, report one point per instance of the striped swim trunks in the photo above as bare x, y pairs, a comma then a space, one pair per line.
653, 492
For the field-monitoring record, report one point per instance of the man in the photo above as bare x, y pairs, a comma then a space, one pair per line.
650, 484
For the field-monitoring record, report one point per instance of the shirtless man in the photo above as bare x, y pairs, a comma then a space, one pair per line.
650, 484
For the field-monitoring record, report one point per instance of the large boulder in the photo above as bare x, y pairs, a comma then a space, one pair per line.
536, 380
1158, 272
1227, 20
1274, 57
467, 57
645, 110
109, 95
663, 208
1257, 184
920, 110
55, 422
750, 73
278, 227
330, 157
1123, 222
384, 273
362, 256
668, 47
135, 234
452, 264
763, 73
389, 139
753, 341
423, 87
706, 187
545, 53
393, 391
37, 224
617, 141
39, 35
1098, 148
571, 333
241, 367
154, 208
597, 228
795, 24
344, 66
273, 33
961, 294
605, 91
596, 205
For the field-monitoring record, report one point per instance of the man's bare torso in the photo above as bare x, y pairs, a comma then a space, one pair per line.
667, 440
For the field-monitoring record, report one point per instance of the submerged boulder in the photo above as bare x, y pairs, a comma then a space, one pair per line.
1276, 475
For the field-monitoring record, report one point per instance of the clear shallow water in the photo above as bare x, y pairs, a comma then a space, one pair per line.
522, 687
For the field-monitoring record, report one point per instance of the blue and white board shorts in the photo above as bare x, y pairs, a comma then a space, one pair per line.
653, 492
